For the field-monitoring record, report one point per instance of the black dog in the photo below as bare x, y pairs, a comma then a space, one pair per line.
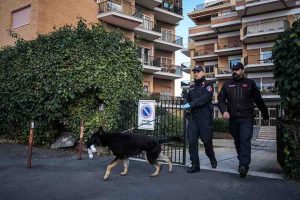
125, 145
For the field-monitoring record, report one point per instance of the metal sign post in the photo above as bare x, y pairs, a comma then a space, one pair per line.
81, 139
30, 144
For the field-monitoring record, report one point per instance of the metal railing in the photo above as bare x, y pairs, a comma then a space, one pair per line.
169, 37
223, 13
123, 7
149, 60
204, 52
265, 27
203, 6
258, 59
224, 71
147, 24
156, 62
171, 7
229, 44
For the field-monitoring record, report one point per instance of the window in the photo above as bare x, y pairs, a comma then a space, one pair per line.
146, 86
266, 56
167, 35
21, 17
165, 91
144, 55
209, 69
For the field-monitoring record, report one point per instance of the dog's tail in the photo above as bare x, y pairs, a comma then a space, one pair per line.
171, 140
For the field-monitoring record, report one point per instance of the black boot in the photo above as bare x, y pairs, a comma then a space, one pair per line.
213, 162
243, 171
193, 169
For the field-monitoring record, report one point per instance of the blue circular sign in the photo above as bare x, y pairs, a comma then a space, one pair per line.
146, 111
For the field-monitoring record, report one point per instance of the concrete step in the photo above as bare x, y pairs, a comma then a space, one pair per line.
267, 133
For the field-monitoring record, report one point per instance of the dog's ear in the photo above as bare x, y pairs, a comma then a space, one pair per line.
101, 131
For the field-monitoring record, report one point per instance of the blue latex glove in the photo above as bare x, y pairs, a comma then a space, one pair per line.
186, 106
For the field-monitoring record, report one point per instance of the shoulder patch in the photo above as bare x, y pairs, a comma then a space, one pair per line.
209, 88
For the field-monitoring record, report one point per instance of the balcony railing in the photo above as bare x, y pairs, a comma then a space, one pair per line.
150, 60
223, 13
169, 37
229, 44
204, 52
210, 4
147, 24
170, 68
266, 27
123, 7
157, 62
171, 7
224, 71
258, 59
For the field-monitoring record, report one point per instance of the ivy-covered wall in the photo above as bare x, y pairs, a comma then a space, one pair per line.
61, 77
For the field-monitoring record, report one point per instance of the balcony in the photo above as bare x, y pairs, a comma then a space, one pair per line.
147, 30
169, 72
119, 13
168, 42
186, 67
264, 31
150, 64
225, 21
168, 13
231, 47
259, 62
212, 5
202, 32
254, 7
205, 55
223, 73
150, 4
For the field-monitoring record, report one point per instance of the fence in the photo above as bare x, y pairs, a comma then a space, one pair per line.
169, 121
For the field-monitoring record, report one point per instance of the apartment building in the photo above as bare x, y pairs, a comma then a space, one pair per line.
151, 23
228, 31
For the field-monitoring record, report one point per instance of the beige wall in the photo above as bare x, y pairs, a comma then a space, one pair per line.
147, 44
58, 12
159, 83
223, 63
27, 32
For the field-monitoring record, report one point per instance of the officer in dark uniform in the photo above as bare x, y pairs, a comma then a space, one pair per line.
199, 102
235, 101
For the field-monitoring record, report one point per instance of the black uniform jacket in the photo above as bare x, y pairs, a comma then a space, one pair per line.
237, 97
200, 95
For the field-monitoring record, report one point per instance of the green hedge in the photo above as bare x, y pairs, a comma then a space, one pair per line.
63, 76
220, 125
286, 60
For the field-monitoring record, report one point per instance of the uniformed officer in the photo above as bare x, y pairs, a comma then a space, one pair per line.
235, 101
199, 102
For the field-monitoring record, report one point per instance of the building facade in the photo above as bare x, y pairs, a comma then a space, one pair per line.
150, 23
228, 31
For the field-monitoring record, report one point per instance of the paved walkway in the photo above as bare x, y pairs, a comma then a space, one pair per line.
58, 174
264, 158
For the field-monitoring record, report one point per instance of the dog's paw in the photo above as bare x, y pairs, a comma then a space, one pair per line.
154, 175
123, 173
105, 178
170, 170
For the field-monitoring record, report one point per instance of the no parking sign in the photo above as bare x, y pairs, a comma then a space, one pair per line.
146, 114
